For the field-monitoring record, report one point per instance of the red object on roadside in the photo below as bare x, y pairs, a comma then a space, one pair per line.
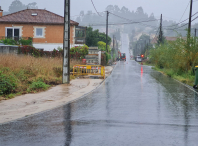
84, 61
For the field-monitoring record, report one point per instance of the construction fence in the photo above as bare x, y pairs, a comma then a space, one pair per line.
89, 70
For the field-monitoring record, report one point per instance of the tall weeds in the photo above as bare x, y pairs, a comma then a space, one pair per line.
28, 70
179, 56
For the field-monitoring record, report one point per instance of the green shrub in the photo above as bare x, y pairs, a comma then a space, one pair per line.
176, 55
25, 42
8, 84
169, 72
60, 48
79, 52
38, 85
8, 42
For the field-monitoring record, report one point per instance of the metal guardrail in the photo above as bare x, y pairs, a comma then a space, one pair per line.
96, 70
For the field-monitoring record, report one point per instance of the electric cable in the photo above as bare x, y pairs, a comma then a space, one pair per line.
156, 34
132, 20
123, 23
95, 8
181, 21
184, 11
182, 25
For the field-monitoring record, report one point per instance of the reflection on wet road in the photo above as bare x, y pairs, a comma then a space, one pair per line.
134, 106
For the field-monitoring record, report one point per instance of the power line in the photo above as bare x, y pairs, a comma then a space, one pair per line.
87, 14
95, 8
123, 17
184, 11
183, 25
156, 34
181, 21
120, 17
131, 20
123, 23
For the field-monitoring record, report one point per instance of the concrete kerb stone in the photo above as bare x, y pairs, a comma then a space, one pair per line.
189, 87
58, 105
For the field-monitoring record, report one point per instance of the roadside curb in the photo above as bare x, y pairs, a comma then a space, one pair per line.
16, 120
189, 87
186, 85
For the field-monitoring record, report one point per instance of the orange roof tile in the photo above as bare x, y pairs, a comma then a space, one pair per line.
41, 17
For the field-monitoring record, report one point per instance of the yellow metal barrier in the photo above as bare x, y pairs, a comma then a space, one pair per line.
96, 70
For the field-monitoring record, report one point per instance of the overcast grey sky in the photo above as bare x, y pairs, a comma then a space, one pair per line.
171, 9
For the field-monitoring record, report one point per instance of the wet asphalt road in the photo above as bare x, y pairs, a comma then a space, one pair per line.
135, 106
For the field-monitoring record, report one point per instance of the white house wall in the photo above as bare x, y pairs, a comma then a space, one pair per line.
50, 47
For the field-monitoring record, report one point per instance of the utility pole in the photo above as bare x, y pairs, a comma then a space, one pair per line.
66, 43
135, 52
195, 32
107, 29
190, 15
160, 35
113, 42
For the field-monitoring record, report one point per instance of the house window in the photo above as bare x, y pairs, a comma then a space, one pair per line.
39, 32
12, 32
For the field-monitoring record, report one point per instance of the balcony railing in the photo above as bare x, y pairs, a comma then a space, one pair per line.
80, 40
80, 33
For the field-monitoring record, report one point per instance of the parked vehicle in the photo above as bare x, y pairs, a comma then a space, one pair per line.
121, 56
138, 58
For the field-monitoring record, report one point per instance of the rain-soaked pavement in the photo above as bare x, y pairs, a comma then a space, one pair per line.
135, 106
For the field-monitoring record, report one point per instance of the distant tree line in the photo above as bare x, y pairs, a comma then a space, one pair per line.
17, 5
94, 20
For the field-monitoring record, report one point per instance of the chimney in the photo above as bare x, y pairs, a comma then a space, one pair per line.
1, 12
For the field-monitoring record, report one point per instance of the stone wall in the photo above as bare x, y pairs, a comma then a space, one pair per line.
5, 49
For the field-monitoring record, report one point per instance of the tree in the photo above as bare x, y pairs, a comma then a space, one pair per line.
102, 37
78, 19
125, 10
152, 17
102, 46
140, 11
82, 13
94, 36
160, 38
110, 8
144, 37
91, 37
32, 5
16, 5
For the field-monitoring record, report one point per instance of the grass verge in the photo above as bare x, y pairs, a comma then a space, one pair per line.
26, 74
185, 78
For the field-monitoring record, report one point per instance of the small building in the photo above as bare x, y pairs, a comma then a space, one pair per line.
94, 56
44, 27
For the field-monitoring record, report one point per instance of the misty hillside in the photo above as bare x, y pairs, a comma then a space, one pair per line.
127, 20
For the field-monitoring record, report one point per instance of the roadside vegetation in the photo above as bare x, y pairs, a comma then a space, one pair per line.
21, 74
33, 70
177, 59
21, 41
98, 39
